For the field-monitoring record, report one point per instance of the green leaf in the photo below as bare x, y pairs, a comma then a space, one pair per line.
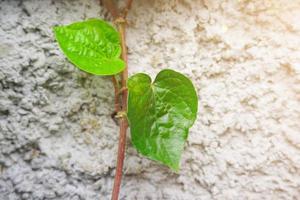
92, 45
160, 115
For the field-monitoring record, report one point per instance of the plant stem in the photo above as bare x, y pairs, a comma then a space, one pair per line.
121, 24
122, 31
120, 161
111, 7
117, 94
123, 121
127, 7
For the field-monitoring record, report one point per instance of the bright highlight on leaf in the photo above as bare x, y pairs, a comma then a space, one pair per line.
160, 115
93, 46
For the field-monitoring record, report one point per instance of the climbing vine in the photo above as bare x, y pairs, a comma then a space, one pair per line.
159, 113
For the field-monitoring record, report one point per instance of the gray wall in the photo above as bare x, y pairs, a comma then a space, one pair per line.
58, 141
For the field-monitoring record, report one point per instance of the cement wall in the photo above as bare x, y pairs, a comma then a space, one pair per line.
58, 141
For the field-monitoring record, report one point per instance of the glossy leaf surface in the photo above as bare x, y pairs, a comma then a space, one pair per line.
93, 46
160, 115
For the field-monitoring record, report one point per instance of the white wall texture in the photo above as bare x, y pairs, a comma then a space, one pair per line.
58, 141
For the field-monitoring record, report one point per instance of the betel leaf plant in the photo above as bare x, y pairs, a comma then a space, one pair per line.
159, 113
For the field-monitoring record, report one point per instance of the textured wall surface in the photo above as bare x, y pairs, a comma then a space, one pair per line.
58, 141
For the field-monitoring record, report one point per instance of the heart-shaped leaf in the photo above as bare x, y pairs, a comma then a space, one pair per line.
160, 115
93, 46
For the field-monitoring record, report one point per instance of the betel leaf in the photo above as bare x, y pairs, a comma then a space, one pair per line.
160, 115
92, 45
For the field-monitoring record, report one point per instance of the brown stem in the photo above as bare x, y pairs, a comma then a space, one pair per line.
121, 90
120, 160
111, 7
123, 120
122, 31
121, 24
127, 8
128, 4
117, 92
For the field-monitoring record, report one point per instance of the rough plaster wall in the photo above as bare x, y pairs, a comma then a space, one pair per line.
58, 141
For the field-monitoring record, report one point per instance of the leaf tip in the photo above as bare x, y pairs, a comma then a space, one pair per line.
175, 168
